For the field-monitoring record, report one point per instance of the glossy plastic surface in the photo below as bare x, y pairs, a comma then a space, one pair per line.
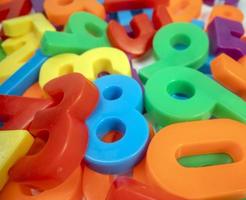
65, 131
121, 101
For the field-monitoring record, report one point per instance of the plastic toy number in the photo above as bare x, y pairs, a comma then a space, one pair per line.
59, 12
90, 64
24, 35
64, 124
83, 32
178, 44
137, 46
184, 11
144, 30
121, 102
17, 113
189, 95
195, 138
226, 11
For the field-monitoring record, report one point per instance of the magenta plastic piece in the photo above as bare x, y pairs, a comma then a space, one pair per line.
38, 5
225, 37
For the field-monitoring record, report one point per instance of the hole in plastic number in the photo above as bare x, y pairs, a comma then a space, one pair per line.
112, 93
111, 130
180, 90
180, 42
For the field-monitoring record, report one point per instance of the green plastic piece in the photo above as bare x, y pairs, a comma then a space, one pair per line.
178, 44
205, 160
2, 53
179, 94
83, 32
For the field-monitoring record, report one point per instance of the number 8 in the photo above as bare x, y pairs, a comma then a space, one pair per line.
120, 104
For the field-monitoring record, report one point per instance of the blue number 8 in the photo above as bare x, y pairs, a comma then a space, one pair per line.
119, 109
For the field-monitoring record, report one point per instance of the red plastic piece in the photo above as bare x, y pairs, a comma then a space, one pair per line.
143, 31
143, 34
18, 112
119, 5
161, 17
70, 189
75, 98
14, 8
125, 188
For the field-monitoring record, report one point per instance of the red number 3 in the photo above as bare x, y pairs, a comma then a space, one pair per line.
65, 131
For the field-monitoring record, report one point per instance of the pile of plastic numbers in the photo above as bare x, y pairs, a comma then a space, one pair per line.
122, 100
